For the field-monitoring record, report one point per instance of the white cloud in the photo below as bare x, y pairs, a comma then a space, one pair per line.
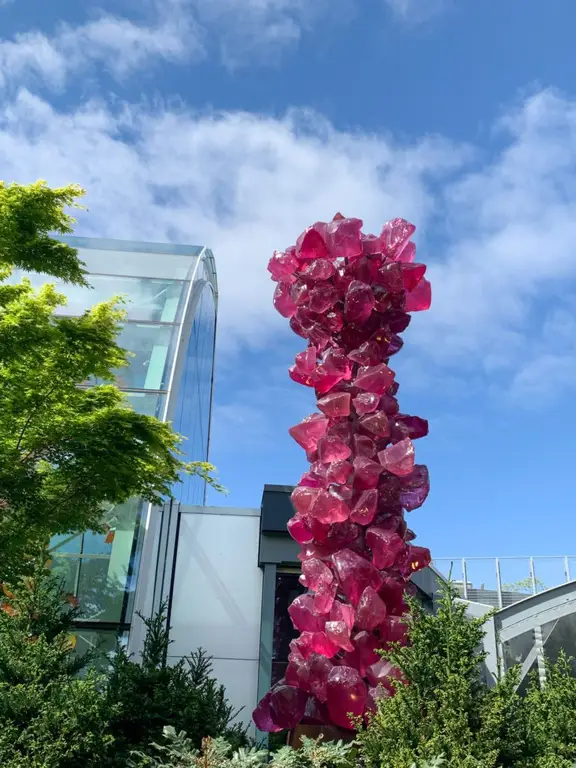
261, 29
503, 228
119, 45
416, 11
179, 30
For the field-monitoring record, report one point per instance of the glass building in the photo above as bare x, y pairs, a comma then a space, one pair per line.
169, 332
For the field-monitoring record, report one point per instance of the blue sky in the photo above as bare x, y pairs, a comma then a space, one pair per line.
236, 123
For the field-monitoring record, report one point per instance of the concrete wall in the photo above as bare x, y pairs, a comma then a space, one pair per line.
217, 597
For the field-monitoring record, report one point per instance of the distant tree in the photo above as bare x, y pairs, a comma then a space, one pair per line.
524, 585
65, 451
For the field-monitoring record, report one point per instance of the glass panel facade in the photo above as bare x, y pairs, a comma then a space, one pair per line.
101, 569
192, 416
151, 354
147, 403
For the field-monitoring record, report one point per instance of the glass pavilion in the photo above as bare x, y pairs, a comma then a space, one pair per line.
171, 303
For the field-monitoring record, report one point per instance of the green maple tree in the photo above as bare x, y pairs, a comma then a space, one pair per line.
66, 452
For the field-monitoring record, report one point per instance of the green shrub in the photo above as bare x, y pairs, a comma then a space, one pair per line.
178, 751
445, 708
146, 697
50, 718
551, 712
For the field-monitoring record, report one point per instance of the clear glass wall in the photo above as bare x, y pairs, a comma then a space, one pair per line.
169, 333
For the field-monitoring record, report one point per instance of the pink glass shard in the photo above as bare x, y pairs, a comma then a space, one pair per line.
336, 361
336, 405
306, 379
347, 695
319, 670
310, 245
415, 488
322, 297
283, 300
389, 404
366, 402
316, 713
303, 615
315, 642
331, 448
309, 431
364, 653
390, 345
359, 302
323, 269
318, 336
342, 430
398, 458
376, 423
355, 574
299, 531
316, 575
408, 254
312, 479
409, 426
395, 236
414, 560
386, 546
303, 498
300, 293
282, 266
339, 472
305, 362
298, 672
420, 298
366, 473
334, 321
287, 706
371, 610
367, 354
364, 447
365, 507
394, 630
412, 274
343, 237
371, 245
392, 592
376, 378
390, 277
262, 716
329, 508
339, 634
383, 673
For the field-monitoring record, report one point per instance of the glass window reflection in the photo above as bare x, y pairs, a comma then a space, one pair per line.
151, 349
152, 300
192, 416
147, 403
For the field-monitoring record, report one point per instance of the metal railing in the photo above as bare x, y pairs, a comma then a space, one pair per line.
503, 581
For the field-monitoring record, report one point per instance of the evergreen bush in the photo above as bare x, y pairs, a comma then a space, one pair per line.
146, 697
446, 708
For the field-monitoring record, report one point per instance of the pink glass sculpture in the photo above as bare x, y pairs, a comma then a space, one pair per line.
349, 295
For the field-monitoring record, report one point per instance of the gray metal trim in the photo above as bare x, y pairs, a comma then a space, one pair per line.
266, 650
278, 550
132, 246
536, 610
221, 511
